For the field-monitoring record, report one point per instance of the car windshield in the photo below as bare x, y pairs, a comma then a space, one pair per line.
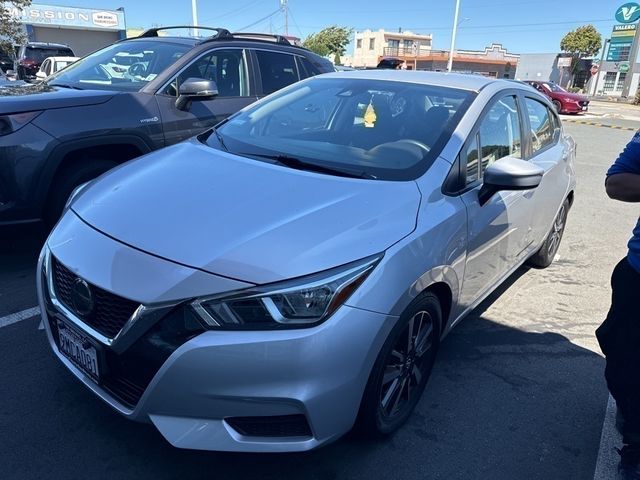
126, 66
371, 128
555, 88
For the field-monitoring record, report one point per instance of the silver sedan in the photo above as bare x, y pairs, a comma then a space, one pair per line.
276, 281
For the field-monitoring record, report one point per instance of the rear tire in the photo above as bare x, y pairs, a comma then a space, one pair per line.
558, 105
402, 369
545, 256
67, 180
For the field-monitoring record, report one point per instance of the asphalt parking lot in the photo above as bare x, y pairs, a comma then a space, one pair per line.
517, 391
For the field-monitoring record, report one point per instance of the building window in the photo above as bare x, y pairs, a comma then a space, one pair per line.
372, 44
359, 43
408, 44
620, 84
609, 82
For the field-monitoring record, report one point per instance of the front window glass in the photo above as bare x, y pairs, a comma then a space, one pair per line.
383, 129
126, 66
225, 67
500, 132
554, 87
542, 129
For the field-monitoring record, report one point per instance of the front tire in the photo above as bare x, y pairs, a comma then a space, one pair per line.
558, 106
402, 369
544, 257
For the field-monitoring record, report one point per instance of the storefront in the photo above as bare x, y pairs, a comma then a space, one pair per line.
83, 29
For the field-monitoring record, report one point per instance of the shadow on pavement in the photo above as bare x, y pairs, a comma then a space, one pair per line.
502, 404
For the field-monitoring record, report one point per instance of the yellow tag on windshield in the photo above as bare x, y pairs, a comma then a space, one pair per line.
370, 116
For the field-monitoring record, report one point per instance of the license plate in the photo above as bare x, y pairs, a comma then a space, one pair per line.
79, 350
584, 109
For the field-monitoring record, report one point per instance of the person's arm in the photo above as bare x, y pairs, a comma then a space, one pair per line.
624, 187
623, 178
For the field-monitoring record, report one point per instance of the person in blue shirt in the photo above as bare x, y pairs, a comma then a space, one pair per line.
619, 335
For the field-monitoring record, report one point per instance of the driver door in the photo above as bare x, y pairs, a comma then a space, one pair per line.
229, 69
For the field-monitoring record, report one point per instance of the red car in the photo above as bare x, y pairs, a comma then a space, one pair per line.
565, 102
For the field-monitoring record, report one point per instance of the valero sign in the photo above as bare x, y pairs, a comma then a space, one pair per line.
628, 13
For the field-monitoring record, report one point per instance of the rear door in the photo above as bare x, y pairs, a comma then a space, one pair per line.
499, 231
230, 69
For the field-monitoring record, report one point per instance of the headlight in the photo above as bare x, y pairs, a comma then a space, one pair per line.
15, 121
302, 302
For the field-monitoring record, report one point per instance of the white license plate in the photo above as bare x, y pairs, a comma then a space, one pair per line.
584, 109
79, 350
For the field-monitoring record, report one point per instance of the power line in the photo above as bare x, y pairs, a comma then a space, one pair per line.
233, 12
260, 21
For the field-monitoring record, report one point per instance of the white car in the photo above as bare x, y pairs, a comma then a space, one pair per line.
53, 64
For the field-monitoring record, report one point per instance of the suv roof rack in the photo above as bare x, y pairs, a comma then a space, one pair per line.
262, 36
153, 32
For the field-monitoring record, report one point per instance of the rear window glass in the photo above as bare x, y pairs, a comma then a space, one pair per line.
41, 54
278, 70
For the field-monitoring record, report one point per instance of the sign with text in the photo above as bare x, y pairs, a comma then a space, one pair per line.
50, 15
621, 43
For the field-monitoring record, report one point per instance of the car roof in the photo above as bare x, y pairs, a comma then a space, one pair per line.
451, 80
63, 59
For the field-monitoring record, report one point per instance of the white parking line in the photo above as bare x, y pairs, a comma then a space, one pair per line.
608, 458
19, 316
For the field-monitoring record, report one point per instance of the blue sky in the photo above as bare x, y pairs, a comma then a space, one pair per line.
522, 26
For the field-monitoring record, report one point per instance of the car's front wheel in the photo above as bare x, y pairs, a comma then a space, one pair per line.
558, 105
544, 257
403, 367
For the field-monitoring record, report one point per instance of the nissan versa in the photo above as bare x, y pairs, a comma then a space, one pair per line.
277, 280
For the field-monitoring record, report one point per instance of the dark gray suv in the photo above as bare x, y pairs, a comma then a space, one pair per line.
126, 100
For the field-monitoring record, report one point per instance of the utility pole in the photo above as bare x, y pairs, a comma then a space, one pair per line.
453, 36
284, 4
194, 12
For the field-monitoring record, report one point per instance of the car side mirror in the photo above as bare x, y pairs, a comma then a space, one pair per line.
11, 73
41, 76
509, 174
195, 89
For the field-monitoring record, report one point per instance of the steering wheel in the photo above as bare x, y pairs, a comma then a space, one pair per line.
136, 70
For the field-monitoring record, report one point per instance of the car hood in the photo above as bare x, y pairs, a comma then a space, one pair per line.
246, 219
27, 97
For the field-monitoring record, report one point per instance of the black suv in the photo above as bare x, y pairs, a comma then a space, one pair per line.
126, 100
30, 57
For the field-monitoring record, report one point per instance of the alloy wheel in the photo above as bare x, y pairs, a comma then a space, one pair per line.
556, 232
407, 364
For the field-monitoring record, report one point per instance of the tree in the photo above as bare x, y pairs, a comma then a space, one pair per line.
11, 31
582, 42
330, 40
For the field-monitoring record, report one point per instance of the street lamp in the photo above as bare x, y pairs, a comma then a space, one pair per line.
453, 36
194, 13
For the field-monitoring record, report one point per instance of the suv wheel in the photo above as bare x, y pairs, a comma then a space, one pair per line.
558, 105
402, 368
67, 180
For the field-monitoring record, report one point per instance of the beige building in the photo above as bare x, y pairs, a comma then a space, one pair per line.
369, 46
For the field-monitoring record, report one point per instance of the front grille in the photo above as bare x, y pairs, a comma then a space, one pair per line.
110, 312
275, 426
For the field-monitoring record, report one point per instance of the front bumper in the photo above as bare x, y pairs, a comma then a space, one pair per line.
319, 373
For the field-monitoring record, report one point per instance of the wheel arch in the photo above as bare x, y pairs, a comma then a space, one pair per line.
120, 148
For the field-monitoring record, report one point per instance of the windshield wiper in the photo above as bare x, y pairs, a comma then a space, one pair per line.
64, 85
296, 163
220, 139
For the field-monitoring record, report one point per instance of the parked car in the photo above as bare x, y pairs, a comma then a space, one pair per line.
31, 55
563, 101
53, 64
128, 99
284, 276
6, 61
